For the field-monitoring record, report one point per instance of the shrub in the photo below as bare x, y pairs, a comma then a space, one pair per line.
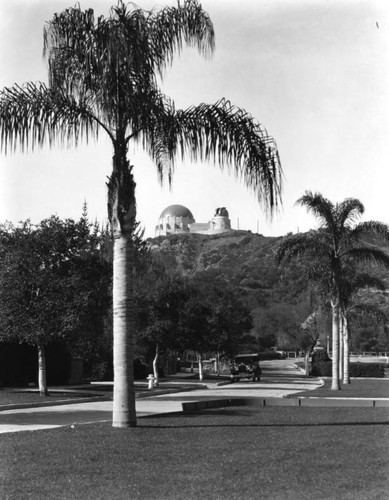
320, 356
98, 371
322, 369
373, 370
140, 369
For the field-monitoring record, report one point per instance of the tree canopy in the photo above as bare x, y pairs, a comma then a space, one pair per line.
54, 284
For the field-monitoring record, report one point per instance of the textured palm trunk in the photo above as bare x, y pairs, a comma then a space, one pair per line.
306, 362
155, 366
335, 347
42, 380
124, 414
122, 214
201, 376
341, 340
346, 351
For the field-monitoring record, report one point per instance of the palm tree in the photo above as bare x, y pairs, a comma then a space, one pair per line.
338, 241
103, 76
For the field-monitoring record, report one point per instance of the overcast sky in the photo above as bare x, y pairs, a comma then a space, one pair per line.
314, 73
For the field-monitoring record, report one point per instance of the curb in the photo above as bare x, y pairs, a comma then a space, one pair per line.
159, 391
59, 402
291, 402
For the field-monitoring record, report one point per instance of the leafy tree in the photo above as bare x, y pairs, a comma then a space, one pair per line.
158, 307
51, 280
213, 319
103, 76
278, 325
201, 313
330, 250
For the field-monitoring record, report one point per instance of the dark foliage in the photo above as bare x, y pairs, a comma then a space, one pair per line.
54, 292
320, 356
374, 370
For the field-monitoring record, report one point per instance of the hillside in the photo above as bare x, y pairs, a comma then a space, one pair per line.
279, 299
247, 261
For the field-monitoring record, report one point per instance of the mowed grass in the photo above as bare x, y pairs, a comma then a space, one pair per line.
9, 397
358, 388
232, 453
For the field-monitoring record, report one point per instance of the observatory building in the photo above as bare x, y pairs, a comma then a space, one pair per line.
177, 219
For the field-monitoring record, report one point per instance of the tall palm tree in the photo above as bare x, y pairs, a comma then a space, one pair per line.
330, 249
103, 76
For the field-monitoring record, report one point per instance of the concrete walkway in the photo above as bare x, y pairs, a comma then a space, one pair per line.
279, 380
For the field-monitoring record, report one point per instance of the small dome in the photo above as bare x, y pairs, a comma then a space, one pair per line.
176, 211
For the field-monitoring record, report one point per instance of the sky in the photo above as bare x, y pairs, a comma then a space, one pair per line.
314, 73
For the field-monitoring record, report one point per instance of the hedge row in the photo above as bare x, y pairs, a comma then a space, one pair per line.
373, 370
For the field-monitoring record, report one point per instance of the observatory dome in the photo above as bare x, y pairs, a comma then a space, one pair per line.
176, 211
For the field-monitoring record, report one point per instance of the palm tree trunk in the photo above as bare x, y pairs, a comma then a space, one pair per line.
200, 368
122, 214
346, 352
42, 380
341, 337
155, 366
335, 347
306, 362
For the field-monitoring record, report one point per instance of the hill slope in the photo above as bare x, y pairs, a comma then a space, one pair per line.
279, 299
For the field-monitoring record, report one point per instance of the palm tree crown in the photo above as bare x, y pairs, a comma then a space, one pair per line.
103, 75
338, 242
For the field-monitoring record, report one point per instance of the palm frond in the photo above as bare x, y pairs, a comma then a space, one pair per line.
33, 115
371, 311
172, 26
321, 208
312, 245
349, 211
368, 255
366, 280
371, 228
232, 138
354, 283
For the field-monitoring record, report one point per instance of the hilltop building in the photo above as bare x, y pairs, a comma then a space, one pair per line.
177, 219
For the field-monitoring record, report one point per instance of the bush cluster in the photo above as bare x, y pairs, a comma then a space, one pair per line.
321, 369
373, 370
320, 356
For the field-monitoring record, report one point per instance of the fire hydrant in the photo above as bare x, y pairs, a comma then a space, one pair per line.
150, 378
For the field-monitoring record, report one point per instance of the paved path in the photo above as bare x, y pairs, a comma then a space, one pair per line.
279, 379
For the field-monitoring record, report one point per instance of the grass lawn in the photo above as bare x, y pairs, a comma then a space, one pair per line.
8, 397
359, 388
235, 453
20, 396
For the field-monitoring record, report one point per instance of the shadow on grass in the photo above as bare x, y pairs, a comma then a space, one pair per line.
196, 420
263, 426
